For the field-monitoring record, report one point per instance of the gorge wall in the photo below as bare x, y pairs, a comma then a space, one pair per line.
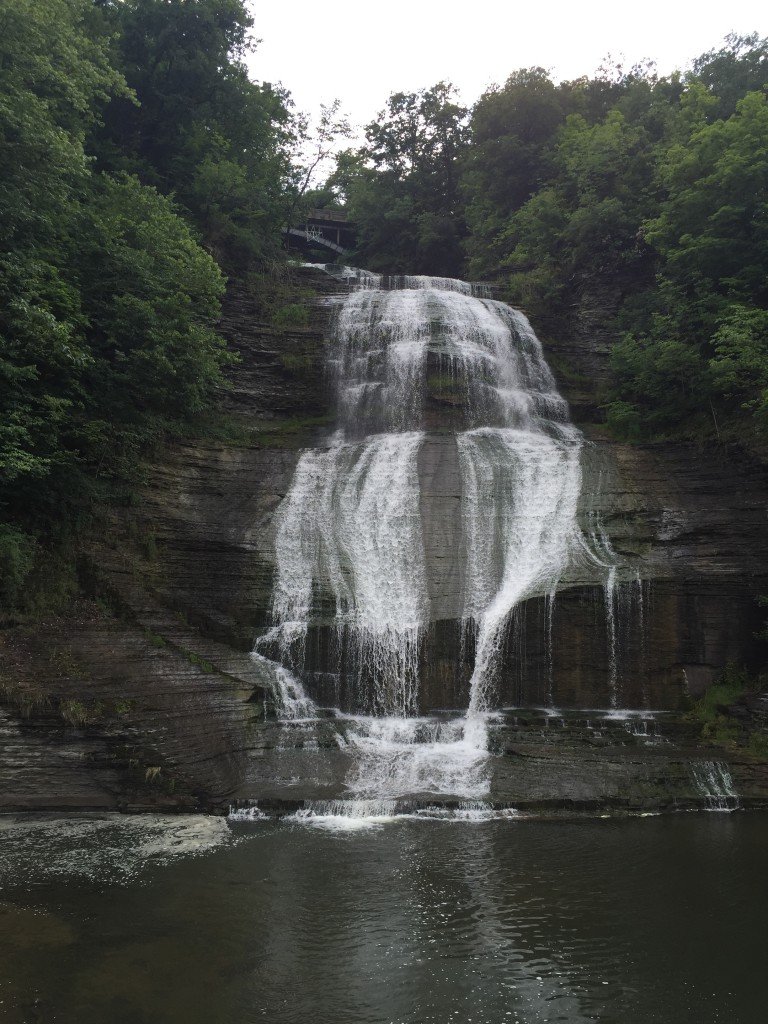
147, 695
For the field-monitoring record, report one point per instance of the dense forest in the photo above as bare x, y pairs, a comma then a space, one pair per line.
141, 167
636, 201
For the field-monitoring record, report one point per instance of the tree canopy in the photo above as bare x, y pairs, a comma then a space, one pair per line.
632, 202
195, 126
136, 158
402, 188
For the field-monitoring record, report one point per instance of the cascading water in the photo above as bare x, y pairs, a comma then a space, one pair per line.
349, 546
351, 520
349, 532
714, 783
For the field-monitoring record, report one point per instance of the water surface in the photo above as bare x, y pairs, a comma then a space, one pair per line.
193, 921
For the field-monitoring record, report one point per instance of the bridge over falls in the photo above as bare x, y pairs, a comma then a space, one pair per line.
322, 229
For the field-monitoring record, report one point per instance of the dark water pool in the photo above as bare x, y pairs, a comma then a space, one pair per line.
192, 921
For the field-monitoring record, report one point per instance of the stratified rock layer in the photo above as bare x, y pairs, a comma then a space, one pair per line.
176, 712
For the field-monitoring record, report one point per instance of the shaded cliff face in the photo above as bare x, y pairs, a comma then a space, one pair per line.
184, 585
692, 519
688, 522
146, 696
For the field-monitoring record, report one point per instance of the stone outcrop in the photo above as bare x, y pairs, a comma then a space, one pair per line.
145, 696
148, 697
542, 763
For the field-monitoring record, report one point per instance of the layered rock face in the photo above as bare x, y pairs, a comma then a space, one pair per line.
685, 528
184, 587
689, 523
147, 695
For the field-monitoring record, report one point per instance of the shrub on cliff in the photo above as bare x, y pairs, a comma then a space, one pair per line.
635, 205
107, 300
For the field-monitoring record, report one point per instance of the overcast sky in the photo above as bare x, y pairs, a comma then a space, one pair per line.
361, 52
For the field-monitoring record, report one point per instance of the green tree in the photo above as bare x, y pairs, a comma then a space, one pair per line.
107, 302
740, 364
54, 79
402, 187
635, 206
738, 67
513, 129
201, 131
711, 293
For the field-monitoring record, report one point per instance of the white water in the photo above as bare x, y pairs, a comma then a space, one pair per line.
416, 756
379, 359
605, 557
357, 815
441, 284
521, 479
354, 277
349, 546
715, 784
521, 489
292, 702
351, 523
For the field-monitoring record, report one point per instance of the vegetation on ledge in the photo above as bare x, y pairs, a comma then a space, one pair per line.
626, 204
139, 163
722, 714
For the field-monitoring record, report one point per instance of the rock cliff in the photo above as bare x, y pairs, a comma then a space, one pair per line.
146, 695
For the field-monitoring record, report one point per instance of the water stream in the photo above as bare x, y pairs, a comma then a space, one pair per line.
350, 548
714, 782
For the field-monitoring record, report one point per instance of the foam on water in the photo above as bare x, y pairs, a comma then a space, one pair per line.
358, 815
345, 815
250, 812
112, 848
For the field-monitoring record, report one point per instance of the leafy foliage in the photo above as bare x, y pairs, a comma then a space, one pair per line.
710, 712
697, 353
201, 130
107, 299
402, 188
638, 205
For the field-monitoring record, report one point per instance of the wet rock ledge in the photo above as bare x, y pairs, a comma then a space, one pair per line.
145, 696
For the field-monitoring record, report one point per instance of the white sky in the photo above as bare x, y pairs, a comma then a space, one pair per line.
363, 51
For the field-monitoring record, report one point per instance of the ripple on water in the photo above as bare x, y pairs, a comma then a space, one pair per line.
415, 923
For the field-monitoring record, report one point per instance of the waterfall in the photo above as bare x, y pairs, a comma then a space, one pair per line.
292, 702
351, 520
549, 613
714, 784
443, 284
601, 551
521, 491
416, 756
349, 530
521, 478
349, 543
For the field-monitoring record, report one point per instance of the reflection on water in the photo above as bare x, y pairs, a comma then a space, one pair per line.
189, 920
